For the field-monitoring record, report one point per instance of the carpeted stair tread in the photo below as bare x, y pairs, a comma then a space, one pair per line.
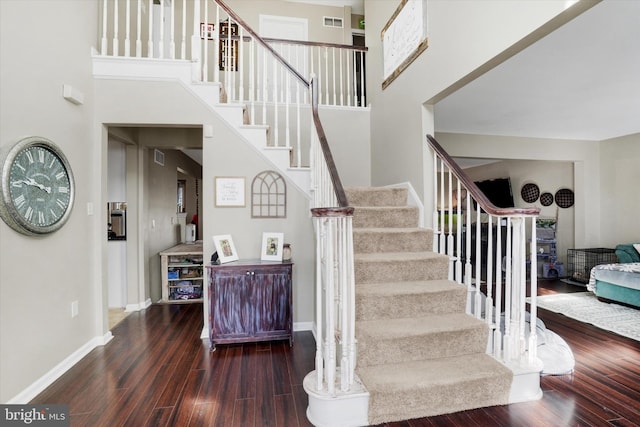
408, 299
426, 388
392, 240
400, 266
387, 216
430, 337
376, 196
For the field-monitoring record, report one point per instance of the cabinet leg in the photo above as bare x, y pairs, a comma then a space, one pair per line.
212, 347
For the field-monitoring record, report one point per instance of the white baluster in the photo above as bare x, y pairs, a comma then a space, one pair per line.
103, 45
240, 62
252, 83
287, 102
139, 30
488, 309
333, 68
183, 44
326, 76
478, 275
172, 36
205, 44
340, 54
161, 41
362, 86
459, 278
276, 140
150, 39
116, 47
216, 46
449, 211
127, 40
264, 87
435, 203
497, 336
468, 267
441, 242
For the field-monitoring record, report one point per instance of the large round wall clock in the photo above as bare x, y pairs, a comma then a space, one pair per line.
37, 187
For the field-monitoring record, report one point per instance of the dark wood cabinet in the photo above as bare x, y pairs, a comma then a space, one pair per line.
250, 301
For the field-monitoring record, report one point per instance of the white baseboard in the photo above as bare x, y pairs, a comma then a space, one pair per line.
137, 307
47, 379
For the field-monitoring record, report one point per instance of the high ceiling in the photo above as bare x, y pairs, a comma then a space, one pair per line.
581, 82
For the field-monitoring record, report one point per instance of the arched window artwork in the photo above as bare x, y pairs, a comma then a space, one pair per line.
268, 196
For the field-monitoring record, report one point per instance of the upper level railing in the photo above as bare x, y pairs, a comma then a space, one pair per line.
495, 273
251, 70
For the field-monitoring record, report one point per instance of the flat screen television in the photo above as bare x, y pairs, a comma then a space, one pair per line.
498, 191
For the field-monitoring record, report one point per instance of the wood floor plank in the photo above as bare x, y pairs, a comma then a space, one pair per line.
244, 413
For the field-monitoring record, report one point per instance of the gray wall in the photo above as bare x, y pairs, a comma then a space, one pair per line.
40, 277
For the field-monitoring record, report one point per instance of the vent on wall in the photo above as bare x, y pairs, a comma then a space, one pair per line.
158, 157
330, 21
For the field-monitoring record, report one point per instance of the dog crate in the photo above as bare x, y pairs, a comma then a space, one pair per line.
581, 261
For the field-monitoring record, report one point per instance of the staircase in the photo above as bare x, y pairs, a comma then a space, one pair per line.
419, 354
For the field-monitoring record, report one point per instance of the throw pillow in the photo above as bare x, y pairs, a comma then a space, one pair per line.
637, 246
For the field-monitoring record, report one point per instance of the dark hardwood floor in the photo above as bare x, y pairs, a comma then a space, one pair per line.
158, 372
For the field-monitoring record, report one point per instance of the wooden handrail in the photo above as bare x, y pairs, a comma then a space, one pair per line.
301, 43
472, 188
326, 151
333, 171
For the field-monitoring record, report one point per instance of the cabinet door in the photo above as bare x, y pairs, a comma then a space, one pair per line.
272, 303
231, 316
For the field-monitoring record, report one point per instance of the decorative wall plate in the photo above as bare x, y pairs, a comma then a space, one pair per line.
546, 199
530, 193
564, 198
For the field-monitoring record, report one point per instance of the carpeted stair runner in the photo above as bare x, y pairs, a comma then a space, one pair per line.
419, 354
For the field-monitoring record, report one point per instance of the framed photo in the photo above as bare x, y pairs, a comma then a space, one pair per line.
230, 191
206, 31
272, 246
225, 248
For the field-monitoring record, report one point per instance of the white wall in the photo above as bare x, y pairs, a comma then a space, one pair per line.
42, 276
620, 203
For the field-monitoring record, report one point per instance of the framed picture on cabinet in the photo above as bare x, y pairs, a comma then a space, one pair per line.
225, 248
272, 246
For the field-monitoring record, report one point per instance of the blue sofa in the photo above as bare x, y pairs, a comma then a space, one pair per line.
619, 282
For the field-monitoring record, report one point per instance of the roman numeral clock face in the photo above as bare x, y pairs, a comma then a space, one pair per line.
37, 187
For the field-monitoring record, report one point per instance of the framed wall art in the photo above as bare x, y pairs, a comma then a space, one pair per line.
404, 38
230, 191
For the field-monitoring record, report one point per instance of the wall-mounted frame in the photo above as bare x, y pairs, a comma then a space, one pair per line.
272, 246
404, 38
225, 248
230, 191
206, 31
268, 195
